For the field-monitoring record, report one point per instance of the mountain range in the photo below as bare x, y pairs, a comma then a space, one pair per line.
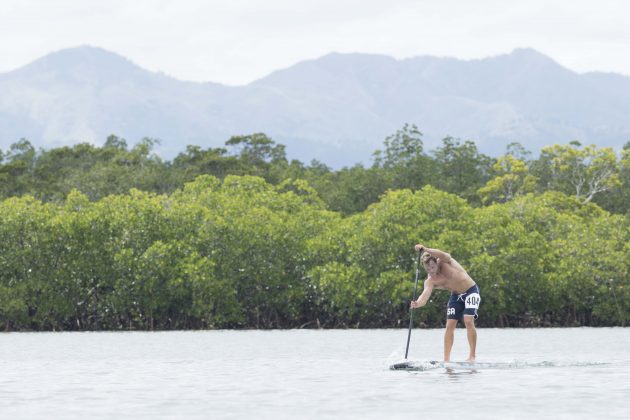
338, 108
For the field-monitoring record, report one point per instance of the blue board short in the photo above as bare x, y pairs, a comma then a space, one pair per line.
462, 304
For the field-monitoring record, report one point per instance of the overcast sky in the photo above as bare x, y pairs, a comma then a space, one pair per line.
237, 41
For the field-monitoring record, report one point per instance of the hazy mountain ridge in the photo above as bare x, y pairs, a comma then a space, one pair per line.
337, 108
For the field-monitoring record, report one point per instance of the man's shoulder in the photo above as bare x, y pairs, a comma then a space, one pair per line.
454, 263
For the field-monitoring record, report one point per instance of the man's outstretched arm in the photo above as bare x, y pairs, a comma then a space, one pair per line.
424, 297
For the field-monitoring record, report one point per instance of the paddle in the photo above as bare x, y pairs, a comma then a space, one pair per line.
415, 288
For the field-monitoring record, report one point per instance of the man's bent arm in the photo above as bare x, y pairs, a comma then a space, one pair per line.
441, 255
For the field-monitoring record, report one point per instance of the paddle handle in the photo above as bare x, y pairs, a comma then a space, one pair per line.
415, 289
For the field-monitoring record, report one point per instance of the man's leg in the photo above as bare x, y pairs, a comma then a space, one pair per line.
471, 332
449, 336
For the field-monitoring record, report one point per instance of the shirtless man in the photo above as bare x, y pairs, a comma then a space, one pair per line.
446, 273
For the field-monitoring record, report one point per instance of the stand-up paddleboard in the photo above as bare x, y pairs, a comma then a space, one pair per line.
434, 364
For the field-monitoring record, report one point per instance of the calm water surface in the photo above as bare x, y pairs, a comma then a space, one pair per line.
312, 374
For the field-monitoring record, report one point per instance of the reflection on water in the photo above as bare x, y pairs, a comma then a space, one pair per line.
569, 373
455, 374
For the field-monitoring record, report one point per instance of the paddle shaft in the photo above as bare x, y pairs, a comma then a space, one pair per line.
415, 289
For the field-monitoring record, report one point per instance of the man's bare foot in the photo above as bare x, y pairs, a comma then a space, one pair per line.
470, 360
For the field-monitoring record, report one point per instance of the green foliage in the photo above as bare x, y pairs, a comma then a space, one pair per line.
352, 190
617, 199
460, 168
584, 172
512, 179
590, 173
403, 163
115, 238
